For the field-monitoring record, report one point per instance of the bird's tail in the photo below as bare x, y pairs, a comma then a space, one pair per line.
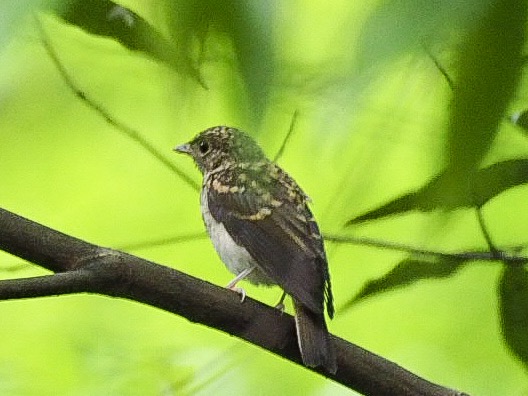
314, 339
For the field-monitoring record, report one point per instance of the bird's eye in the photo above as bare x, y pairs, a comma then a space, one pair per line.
203, 147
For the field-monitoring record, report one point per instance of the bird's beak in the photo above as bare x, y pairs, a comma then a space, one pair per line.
183, 148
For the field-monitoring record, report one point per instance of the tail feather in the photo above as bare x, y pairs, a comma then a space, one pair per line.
314, 339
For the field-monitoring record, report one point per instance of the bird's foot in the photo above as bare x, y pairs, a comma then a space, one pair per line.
232, 285
280, 305
241, 292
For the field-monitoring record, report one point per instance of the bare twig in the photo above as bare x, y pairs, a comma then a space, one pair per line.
471, 255
481, 255
441, 69
164, 241
14, 267
133, 134
287, 137
485, 232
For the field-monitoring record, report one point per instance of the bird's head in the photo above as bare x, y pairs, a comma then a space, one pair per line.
221, 146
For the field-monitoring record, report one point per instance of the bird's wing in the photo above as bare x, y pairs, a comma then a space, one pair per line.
282, 238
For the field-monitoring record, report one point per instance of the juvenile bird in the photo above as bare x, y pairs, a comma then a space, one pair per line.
261, 227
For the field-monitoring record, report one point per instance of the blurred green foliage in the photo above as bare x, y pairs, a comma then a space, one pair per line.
387, 147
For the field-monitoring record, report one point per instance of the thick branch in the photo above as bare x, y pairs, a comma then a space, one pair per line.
88, 268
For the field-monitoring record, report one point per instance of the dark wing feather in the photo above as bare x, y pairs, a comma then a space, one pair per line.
285, 247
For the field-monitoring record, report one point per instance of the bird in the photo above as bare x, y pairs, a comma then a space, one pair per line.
259, 222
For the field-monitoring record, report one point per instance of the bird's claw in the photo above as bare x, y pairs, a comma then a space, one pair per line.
232, 285
241, 292
280, 305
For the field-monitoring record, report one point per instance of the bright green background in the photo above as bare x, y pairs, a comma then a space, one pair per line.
372, 125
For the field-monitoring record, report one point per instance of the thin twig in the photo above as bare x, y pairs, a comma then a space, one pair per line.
164, 241
485, 232
451, 83
14, 267
127, 131
287, 137
441, 69
494, 253
471, 255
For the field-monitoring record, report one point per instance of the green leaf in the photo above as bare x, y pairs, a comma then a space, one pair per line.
248, 27
520, 119
109, 19
398, 27
497, 178
513, 300
407, 273
487, 184
489, 68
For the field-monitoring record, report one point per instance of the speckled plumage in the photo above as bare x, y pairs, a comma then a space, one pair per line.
257, 216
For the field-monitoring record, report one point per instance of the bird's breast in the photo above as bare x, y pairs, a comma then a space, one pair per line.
235, 257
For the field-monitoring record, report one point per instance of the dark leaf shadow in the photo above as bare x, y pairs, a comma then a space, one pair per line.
438, 193
109, 19
247, 25
407, 273
513, 302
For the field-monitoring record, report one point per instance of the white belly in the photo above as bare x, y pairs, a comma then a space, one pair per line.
235, 257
